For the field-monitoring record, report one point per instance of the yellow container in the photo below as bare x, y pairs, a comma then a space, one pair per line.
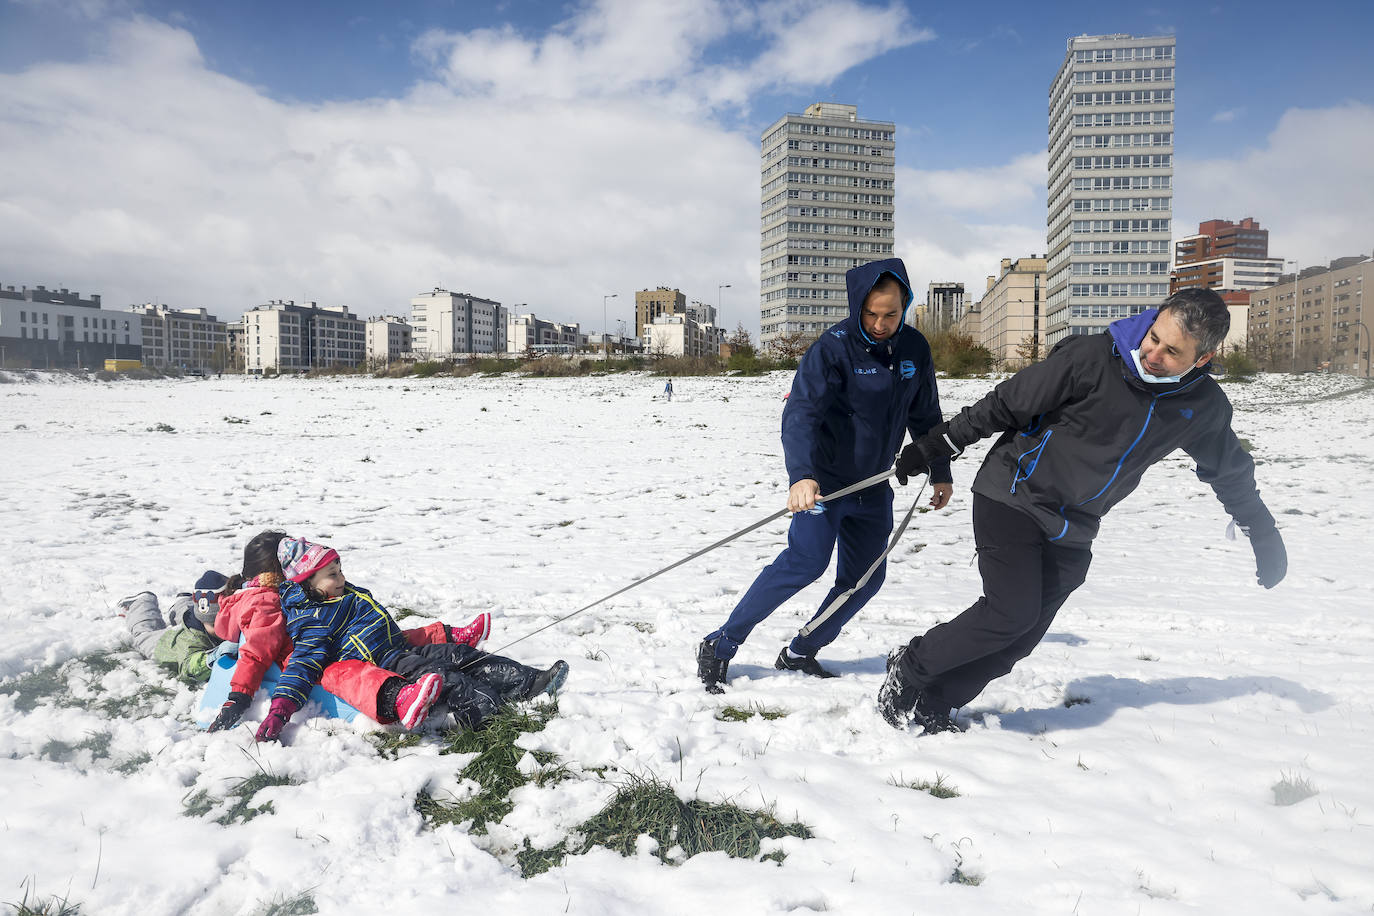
119, 365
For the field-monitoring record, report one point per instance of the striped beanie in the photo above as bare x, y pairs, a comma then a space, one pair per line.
301, 559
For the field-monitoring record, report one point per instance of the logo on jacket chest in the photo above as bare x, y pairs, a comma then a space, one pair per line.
872, 370
908, 368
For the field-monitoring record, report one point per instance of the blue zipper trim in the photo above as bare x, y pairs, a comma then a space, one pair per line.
1037, 451
1124, 455
1062, 531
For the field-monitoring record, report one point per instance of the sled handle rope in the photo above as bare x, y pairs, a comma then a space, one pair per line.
861, 485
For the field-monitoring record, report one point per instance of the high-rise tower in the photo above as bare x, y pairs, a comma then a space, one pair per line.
827, 206
1111, 145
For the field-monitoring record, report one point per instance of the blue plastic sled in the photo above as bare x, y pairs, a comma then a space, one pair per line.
217, 691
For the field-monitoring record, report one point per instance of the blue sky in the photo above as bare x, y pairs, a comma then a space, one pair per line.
347, 152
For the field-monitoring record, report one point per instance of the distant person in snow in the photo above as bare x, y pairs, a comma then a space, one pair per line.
668, 390
331, 620
250, 617
1076, 432
181, 642
865, 383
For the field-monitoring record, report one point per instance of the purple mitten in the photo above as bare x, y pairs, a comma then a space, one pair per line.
277, 716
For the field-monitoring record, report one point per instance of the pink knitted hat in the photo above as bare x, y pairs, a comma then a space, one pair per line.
301, 559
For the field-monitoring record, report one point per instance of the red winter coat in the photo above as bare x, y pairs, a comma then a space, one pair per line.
254, 613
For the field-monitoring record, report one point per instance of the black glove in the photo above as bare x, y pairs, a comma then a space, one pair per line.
1271, 558
917, 457
232, 710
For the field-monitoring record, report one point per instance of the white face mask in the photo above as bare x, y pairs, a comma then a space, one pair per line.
1154, 379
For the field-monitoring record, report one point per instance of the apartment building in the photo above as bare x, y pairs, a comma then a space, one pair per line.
281, 336
388, 340
1110, 183
182, 338
1314, 319
827, 180
1011, 318
448, 325
682, 335
944, 306
650, 303
44, 328
530, 335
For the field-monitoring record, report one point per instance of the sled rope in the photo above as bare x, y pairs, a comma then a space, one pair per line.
861, 485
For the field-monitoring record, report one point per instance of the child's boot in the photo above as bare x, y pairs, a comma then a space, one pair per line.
549, 680
414, 700
475, 633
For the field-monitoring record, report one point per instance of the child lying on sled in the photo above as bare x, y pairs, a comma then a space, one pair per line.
331, 621
250, 615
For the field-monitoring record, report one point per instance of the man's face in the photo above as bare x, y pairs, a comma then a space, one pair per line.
329, 581
881, 314
1168, 350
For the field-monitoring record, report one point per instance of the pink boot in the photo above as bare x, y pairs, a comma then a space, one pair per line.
475, 633
414, 700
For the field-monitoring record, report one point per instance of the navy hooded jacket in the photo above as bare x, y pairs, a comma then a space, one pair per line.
853, 397
1080, 429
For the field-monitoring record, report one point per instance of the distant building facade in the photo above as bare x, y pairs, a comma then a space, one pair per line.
182, 338
650, 303
447, 325
827, 182
1231, 258
1110, 183
55, 328
1314, 320
389, 340
281, 336
1011, 322
681, 335
529, 335
944, 306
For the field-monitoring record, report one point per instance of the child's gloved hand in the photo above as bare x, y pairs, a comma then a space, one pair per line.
232, 710
225, 648
278, 715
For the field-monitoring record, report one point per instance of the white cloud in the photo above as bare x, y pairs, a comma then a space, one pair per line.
957, 224
1311, 185
547, 169
1227, 116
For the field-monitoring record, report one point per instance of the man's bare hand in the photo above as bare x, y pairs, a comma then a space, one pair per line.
940, 498
802, 495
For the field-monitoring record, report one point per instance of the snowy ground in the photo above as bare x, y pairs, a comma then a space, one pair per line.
1128, 766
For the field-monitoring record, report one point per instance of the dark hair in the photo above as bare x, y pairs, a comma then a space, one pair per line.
887, 280
1202, 314
259, 556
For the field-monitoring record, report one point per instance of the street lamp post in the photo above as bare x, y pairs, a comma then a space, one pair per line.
1293, 367
719, 305
605, 331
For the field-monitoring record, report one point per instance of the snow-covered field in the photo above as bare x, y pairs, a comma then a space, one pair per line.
1128, 766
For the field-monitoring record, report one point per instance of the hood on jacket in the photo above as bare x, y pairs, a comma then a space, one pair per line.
1129, 333
859, 283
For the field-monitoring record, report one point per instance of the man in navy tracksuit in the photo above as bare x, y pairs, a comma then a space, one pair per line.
859, 388
1077, 431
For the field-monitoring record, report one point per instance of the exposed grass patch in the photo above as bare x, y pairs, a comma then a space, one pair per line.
1291, 789
401, 613
53, 906
239, 799
55, 682
390, 744
939, 788
496, 768
300, 904
162, 428
959, 876
681, 829
742, 714
1071, 700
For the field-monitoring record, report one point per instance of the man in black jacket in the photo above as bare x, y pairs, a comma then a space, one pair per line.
1077, 431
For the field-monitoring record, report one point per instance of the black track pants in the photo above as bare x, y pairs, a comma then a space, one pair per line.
1026, 579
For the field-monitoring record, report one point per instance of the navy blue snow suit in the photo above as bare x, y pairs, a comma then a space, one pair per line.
852, 400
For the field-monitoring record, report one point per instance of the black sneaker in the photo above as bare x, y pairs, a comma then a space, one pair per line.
932, 717
807, 664
549, 680
711, 670
897, 698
